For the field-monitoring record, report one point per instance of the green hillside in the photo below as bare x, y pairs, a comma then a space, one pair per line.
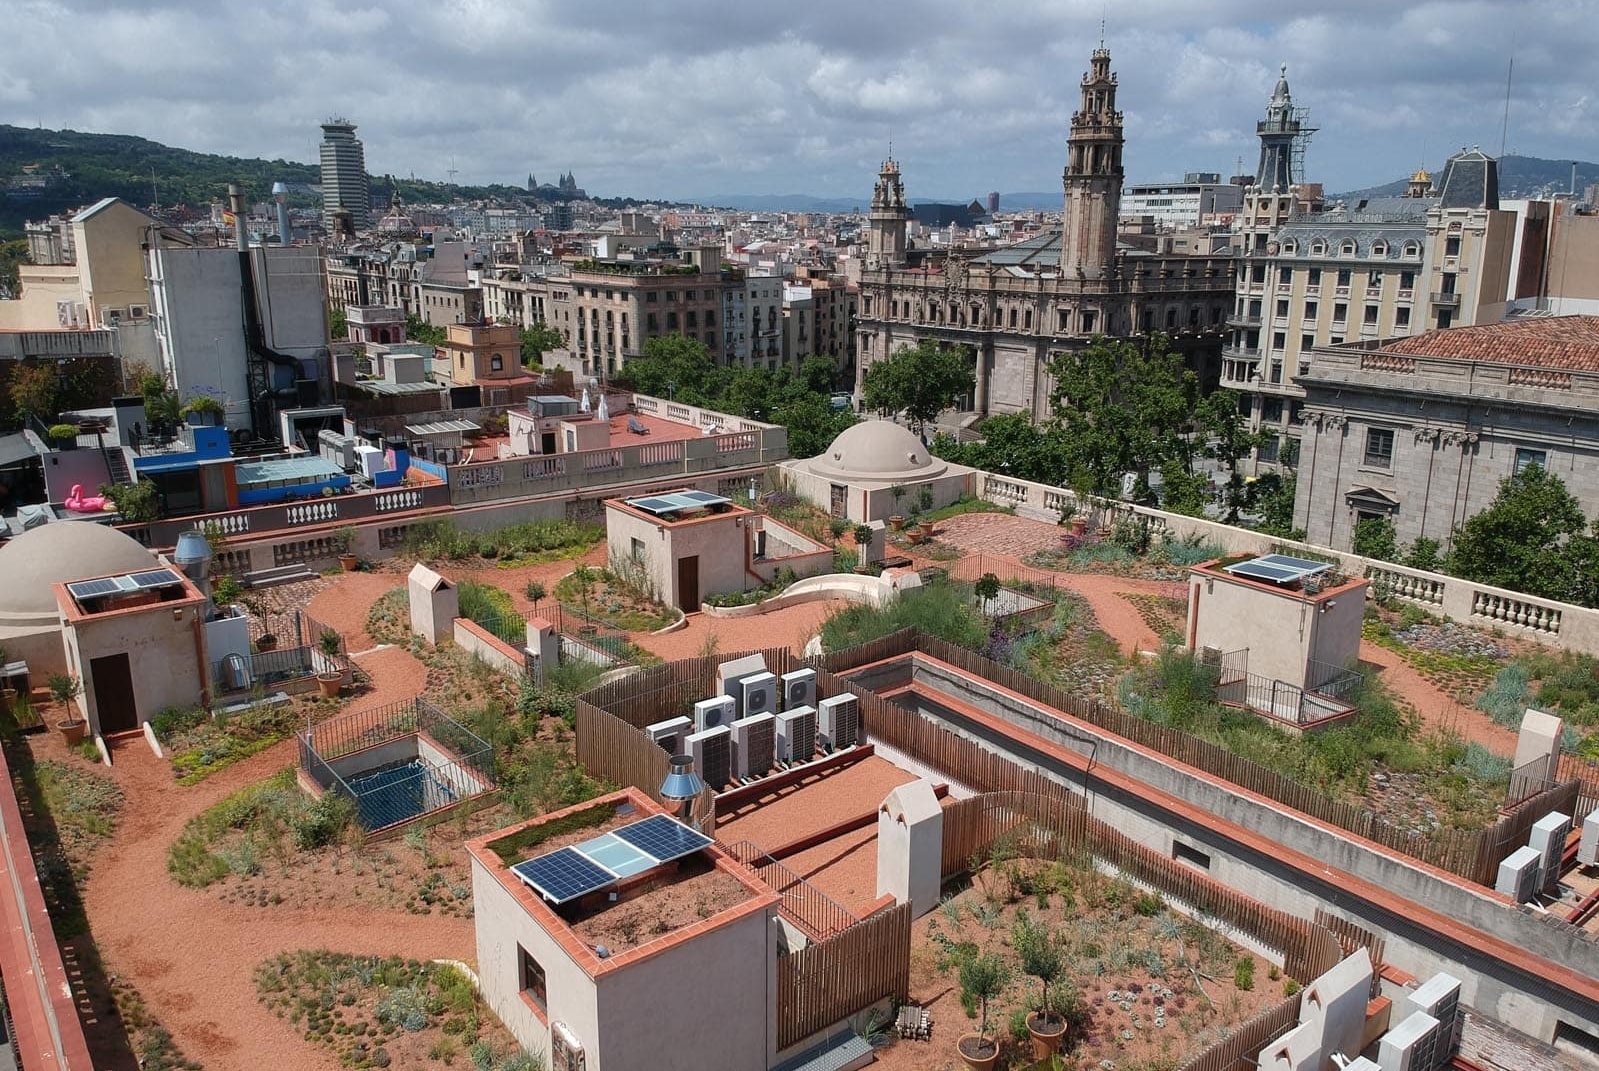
1519, 176
119, 165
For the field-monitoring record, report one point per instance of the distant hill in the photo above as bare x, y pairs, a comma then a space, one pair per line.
1519, 176
82, 168
788, 202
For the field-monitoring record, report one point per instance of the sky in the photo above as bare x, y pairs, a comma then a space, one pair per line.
686, 99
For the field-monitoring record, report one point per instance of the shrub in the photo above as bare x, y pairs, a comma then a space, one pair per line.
1244, 973
938, 609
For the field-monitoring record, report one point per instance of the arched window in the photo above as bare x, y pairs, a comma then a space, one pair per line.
1346, 248
1290, 247
1318, 248
1412, 249
1379, 248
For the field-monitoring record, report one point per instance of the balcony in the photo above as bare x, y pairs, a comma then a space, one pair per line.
1240, 375
1450, 300
1340, 291
1243, 321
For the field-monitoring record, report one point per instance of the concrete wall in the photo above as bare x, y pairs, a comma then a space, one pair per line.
111, 258
196, 294
871, 502
164, 655
479, 642
502, 925
1493, 987
721, 542
63, 468
709, 999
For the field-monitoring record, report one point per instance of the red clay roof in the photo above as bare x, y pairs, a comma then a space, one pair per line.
1570, 343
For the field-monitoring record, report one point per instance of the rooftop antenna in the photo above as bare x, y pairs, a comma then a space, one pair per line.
1102, 8
1504, 130
452, 171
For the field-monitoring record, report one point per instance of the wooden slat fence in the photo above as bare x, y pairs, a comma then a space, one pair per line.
669, 690
1586, 773
612, 749
1352, 937
833, 979
1472, 854
1238, 1049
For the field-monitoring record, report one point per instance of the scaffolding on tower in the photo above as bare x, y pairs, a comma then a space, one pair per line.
1296, 151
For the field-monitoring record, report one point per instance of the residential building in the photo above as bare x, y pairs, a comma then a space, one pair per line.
1311, 276
1422, 430
799, 324
1202, 197
345, 187
482, 353
1020, 306
608, 310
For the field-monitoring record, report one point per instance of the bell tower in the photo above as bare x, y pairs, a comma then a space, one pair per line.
1093, 177
1277, 131
885, 239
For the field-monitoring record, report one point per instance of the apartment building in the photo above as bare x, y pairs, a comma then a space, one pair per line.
608, 310
1201, 197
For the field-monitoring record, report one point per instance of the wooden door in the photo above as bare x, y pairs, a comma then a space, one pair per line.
839, 501
688, 583
113, 693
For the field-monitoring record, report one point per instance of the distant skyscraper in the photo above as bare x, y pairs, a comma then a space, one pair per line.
993, 202
344, 181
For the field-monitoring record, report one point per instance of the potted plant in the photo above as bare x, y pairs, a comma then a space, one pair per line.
863, 540
583, 577
343, 540
65, 436
203, 411
1043, 958
330, 680
534, 592
899, 491
986, 589
64, 689
226, 590
924, 502
982, 978
266, 641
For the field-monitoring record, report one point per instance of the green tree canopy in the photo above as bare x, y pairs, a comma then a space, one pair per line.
418, 330
1519, 541
921, 380
539, 340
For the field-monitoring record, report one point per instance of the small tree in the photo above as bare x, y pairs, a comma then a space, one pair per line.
983, 978
64, 688
1042, 957
331, 642
534, 592
863, 535
225, 589
1375, 538
583, 577
134, 501
344, 538
986, 588
1519, 541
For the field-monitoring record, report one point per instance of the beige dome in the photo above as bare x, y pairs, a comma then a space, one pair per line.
876, 451
61, 550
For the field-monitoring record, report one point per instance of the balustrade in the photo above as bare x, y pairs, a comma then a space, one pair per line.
1510, 611
312, 512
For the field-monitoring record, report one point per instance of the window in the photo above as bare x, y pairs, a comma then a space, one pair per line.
1315, 277
1254, 308
1258, 274
671, 321
496, 363
1318, 248
1407, 280
1347, 247
1184, 853
1371, 316
1452, 246
1374, 280
1526, 458
671, 295
1402, 316
637, 550
692, 295
1379, 448
1340, 312
692, 318
1290, 247
1285, 275
1013, 317
1282, 307
1311, 309
534, 986
650, 297
1344, 276
1088, 321
1271, 410
1279, 340
1306, 342
651, 322
1379, 248
1412, 249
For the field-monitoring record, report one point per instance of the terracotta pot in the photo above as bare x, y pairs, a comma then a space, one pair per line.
348, 562
897, 523
926, 528
330, 683
970, 1045
1079, 526
267, 642
1046, 1036
74, 731
915, 536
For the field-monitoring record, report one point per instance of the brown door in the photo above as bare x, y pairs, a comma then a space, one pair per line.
688, 583
547, 442
113, 693
839, 501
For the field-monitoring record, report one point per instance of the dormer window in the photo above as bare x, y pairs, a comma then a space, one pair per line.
1347, 248
1379, 248
1318, 248
1290, 247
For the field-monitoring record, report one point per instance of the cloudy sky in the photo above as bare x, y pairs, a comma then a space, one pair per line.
686, 98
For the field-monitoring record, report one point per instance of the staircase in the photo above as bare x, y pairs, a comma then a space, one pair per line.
116, 464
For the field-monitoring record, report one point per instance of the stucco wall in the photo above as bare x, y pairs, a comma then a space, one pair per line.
1275, 627
162, 655
721, 542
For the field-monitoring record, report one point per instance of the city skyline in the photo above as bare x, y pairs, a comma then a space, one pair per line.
695, 101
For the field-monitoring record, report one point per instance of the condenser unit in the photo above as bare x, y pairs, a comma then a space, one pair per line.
712, 751
754, 745
670, 733
718, 710
566, 1052
758, 695
1588, 847
1410, 1046
1519, 875
796, 735
838, 721
799, 689
1439, 997
1548, 839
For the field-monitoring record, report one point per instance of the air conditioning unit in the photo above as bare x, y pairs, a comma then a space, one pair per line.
137, 312
566, 1053
796, 735
1588, 847
758, 694
799, 689
1520, 874
838, 721
1548, 839
670, 733
718, 710
1410, 1045
712, 751
1439, 997
754, 745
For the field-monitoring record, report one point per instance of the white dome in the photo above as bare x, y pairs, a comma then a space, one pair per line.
876, 451
61, 551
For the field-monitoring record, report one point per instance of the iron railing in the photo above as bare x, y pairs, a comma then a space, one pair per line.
803, 903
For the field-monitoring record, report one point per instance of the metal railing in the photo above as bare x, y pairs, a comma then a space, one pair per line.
1333, 682
240, 673
803, 903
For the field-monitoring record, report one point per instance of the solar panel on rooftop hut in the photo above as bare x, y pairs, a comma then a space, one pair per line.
563, 875
663, 837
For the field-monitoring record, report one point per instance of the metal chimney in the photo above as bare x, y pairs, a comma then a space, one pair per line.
680, 792
280, 194
236, 205
193, 556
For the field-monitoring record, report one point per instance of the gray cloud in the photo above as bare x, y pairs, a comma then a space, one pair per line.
698, 97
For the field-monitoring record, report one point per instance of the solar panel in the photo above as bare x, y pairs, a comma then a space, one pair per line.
703, 498
1278, 568
615, 855
663, 837
1305, 565
1263, 572
652, 505
91, 589
563, 875
155, 578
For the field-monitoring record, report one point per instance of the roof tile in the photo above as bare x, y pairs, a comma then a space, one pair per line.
1569, 343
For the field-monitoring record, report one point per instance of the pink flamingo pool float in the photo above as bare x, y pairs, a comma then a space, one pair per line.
78, 503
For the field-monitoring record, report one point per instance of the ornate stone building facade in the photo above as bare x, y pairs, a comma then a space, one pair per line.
1016, 307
